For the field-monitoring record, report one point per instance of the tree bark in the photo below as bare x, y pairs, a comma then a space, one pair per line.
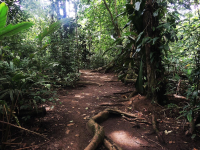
155, 70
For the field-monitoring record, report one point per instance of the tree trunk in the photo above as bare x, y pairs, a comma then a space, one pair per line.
116, 27
155, 70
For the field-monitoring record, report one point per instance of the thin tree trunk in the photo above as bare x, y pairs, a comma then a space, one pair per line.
76, 30
64, 9
116, 27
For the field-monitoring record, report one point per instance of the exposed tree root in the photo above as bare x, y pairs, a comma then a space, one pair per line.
98, 131
159, 134
110, 144
181, 98
133, 94
111, 104
106, 68
123, 92
89, 83
113, 81
129, 80
129, 97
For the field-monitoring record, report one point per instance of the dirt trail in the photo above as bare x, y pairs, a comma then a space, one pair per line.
81, 103
65, 124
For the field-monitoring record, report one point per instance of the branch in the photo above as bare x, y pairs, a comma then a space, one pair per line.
24, 129
114, 24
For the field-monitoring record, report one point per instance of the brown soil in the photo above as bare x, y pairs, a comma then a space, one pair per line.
65, 123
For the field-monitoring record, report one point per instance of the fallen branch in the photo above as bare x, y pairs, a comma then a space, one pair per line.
89, 83
111, 104
24, 129
123, 92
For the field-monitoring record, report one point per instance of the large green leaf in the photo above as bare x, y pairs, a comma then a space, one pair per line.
52, 28
3, 14
139, 83
189, 116
14, 29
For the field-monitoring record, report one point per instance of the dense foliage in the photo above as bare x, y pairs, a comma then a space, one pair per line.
152, 42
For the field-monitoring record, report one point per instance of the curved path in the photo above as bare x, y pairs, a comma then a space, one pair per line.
65, 123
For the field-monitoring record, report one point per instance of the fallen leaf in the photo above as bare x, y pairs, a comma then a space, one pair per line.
78, 112
170, 142
71, 124
77, 135
86, 117
124, 96
67, 132
185, 142
167, 132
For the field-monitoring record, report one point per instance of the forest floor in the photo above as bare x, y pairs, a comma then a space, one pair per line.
65, 123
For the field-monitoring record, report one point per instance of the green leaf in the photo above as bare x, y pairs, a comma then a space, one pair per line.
45, 46
11, 95
189, 116
121, 14
18, 77
128, 24
155, 39
16, 119
155, 14
189, 71
48, 86
3, 14
139, 83
130, 33
14, 29
52, 28
193, 136
145, 40
139, 36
